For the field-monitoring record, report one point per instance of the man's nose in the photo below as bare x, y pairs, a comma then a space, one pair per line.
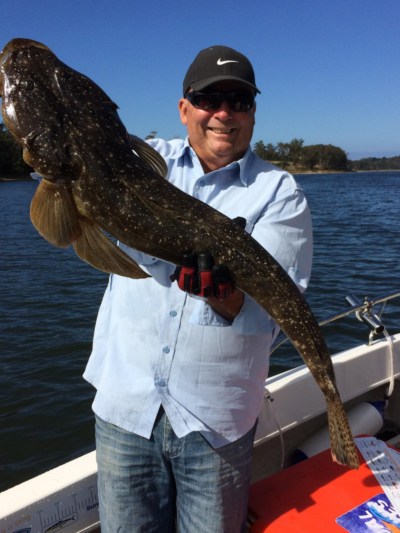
224, 112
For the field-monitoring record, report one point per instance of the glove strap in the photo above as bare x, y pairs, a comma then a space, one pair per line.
223, 282
186, 275
206, 280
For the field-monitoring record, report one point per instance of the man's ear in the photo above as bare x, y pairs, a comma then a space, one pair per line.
183, 108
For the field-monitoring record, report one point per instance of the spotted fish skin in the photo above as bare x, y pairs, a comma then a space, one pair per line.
71, 134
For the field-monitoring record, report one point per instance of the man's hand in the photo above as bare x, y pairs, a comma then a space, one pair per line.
199, 276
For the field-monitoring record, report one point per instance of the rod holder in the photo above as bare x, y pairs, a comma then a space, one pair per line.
366, 315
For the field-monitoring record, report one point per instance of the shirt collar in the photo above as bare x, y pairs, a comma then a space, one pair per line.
243, 164
185, 147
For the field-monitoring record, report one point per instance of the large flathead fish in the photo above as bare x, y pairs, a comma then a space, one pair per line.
93, 183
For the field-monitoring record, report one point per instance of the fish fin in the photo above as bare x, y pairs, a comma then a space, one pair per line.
240, 221
342, 444
54, 214
97, 250
146, 152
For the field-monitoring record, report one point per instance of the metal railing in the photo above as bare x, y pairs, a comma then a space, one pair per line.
364, 312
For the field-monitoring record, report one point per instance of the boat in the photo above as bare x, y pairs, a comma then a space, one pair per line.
296, 486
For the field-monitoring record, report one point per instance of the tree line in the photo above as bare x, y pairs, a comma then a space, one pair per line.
377, 163
295, 155
11, 162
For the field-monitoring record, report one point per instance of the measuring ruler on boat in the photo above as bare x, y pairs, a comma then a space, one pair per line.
78, 510
384, 462
62, 498
75, 509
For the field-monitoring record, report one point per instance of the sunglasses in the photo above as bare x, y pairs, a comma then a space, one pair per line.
237, 101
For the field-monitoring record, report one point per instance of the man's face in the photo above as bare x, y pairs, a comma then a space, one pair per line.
219, 136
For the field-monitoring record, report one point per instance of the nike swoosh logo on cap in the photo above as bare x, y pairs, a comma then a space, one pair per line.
220, 62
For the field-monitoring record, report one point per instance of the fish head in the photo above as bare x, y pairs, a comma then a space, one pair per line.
31, 107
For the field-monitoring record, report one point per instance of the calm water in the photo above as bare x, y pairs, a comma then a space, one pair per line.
49, 301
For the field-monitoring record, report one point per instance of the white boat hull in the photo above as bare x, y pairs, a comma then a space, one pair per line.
67, 496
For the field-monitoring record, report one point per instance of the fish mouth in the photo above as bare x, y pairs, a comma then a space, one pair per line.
4, 55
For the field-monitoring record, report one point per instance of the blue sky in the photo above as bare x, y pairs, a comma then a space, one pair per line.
329, 72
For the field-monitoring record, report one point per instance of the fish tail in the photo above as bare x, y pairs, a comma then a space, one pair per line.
342, 444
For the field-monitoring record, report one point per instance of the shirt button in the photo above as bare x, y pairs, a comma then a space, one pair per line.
173, 313
166, 349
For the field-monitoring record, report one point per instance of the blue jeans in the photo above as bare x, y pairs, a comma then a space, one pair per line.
166, 484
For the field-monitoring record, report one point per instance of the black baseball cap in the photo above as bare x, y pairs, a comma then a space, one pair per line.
218, 63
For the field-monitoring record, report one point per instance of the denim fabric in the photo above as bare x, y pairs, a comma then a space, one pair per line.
166, 484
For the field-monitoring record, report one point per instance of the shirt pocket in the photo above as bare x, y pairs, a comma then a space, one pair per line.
204, 315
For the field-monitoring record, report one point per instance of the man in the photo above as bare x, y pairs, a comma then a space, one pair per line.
180, 379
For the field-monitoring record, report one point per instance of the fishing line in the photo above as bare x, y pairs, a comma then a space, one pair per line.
268, 397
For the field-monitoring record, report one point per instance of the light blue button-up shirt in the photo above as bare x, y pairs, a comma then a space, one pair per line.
154, 344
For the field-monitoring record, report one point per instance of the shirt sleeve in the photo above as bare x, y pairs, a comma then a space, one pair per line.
284, 229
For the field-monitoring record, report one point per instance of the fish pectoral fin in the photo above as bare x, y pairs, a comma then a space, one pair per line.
96, 249
54, 214
146, 152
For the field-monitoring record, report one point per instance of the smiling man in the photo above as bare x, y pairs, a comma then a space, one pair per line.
180, 378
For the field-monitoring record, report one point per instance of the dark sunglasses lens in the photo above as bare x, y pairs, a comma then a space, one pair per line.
237, 101
240, 101
204, 100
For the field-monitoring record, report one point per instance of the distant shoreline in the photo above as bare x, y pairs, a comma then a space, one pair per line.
15, 178
4, 179
295, 172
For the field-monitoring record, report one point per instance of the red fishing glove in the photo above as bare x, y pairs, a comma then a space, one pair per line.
199, 276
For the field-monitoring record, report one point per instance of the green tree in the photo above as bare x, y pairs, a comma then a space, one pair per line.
283, 153
11, 162
260, 149
325, 157
377, 163
310, 156
295, 151
267, 152
271, 153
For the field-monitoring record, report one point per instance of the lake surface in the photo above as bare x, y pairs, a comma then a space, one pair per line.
49, 301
